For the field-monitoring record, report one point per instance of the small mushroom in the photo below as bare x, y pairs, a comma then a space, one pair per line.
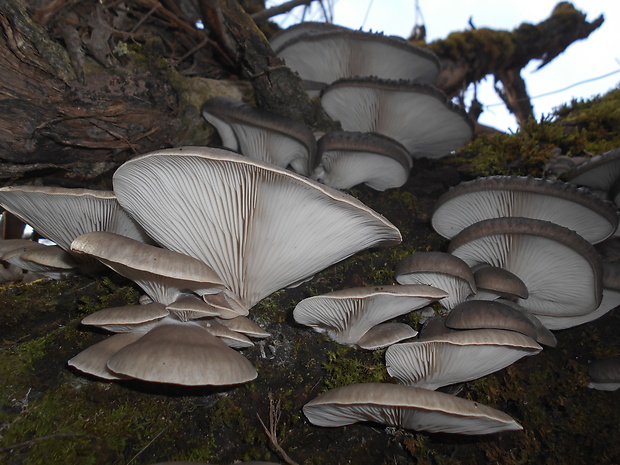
605, 374
261, 134
493, 282
384, 335
441, 270
481, 314
348, 314
350, 158
136, 318
405, 407
94, 359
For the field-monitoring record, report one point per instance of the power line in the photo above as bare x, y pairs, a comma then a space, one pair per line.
564, 88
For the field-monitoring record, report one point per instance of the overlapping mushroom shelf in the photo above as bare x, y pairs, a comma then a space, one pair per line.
234, 230
379, 88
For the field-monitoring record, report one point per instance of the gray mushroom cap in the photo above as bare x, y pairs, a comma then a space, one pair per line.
163, 274
261, 228
330, 55
493, 282
562, 271
350, 158
47, 260
137, 318
384, 335
418, 116
439, 269
406, 407
456, 357
347, 315
93, 360
481, 314
306, 27
528, 197
261, 134
182, 353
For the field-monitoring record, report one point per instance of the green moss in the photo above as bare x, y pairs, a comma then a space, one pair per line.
346, 365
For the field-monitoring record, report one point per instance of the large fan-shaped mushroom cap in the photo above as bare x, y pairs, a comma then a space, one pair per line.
61, 214
348, 314
182, 353
261, 134
418, 116
439, 269
350, 158
562, 271
261, 228
456, 357
163, 274
406, 407
331, 55
528, 197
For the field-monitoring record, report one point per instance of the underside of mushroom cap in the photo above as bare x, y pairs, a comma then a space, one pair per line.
330, 55
528, 197
62, 214
261, 134
599, 173
562, 271
417, 115
163, 274
456, 357
405, 407
350, 158
261, 228
348, 314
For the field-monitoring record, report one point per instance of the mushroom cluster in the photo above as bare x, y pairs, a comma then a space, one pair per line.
231, 230
520, 262
380, 90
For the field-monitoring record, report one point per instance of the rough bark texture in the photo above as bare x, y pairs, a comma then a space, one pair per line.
469, 56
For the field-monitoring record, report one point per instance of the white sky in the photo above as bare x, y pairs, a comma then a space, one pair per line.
595, 56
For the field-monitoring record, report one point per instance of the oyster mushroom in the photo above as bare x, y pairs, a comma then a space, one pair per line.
405, 407
261, 134
528, 197
260, 227
348, 314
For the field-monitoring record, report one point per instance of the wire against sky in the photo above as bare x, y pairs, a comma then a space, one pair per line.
585, 81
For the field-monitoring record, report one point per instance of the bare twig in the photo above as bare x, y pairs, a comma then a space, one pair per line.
147, 446
271, 432
278, 10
